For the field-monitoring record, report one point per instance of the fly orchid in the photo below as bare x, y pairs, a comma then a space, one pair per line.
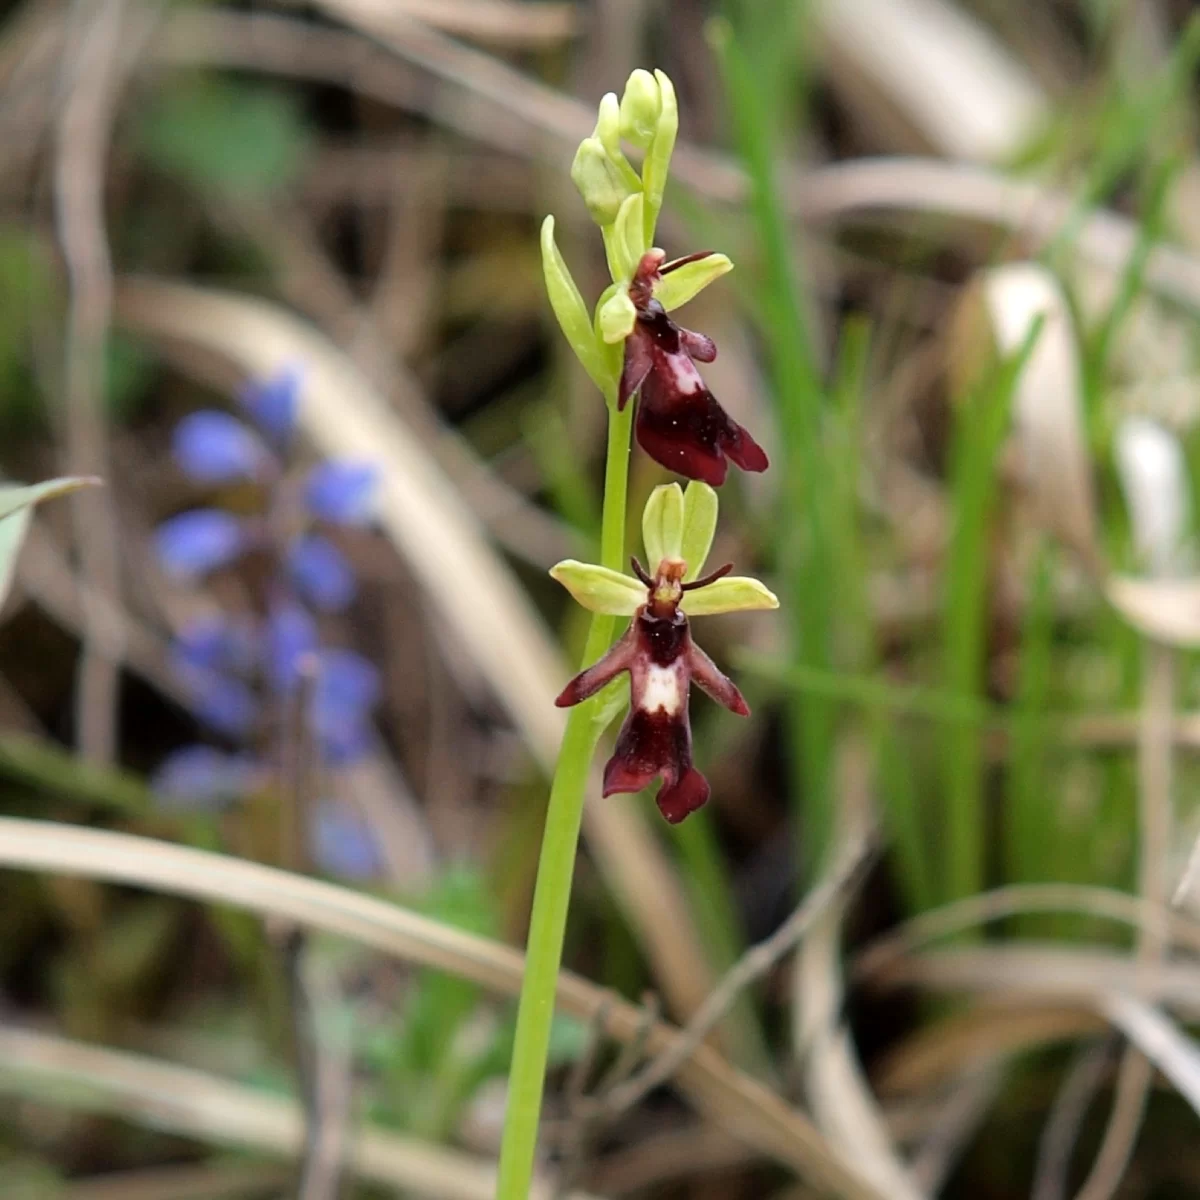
657, 649
630, 345
680, 423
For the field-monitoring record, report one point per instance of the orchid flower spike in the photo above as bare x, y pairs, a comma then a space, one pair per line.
657, 649
629, 344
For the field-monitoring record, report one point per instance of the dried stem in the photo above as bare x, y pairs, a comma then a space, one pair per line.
323, 1071
752, 966
95, 64
1155, 781
1067, 1114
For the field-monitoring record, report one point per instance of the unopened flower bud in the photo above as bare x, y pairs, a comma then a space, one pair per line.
608, 125
641, 106
600, 181
617, 317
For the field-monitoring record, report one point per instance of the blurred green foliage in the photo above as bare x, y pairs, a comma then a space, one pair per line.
211, 133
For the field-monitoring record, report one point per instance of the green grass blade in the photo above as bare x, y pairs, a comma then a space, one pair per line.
805, 552
1030, 843
981, 430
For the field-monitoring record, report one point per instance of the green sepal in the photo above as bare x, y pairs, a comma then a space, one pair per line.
677, 287
616, 253
615, 318
700, 510
600, 589
628, 231
662, 525
658, 156
572, 313
734, 593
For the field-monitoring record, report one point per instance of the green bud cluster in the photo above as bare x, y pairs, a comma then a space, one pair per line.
625, 205
646, 116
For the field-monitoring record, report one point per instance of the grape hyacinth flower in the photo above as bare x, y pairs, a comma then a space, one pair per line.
657, 650
241, 674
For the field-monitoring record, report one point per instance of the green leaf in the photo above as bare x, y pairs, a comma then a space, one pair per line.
242, 139
128, 368
569, 1040
26, 272
16, 505
734, 593
426, 1060
700, 509
573, 317
600, 589
15, 497
129, 945
662, 525
28, 300
684, 283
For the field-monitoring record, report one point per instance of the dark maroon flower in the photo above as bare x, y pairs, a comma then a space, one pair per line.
662, 660
679, 421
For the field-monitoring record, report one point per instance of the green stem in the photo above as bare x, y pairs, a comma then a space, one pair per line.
556, 866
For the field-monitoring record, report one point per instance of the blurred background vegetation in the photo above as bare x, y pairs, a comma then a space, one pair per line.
963, 324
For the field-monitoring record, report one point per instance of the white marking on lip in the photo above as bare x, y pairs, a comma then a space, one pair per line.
662, 691
685, 376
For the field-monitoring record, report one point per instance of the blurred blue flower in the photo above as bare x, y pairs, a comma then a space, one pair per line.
347, 689
218, 644
199, 776
345, 741
212, 447
341, 843
272, 403
346, 682
341, 492
291, 635
196, 542
320, 573
223, 703
225, 665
